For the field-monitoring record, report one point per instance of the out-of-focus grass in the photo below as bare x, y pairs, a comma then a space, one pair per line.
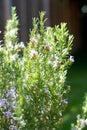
77, 79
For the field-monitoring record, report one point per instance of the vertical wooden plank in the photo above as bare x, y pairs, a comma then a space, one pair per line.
46, 8
34, 7
7, 9
23, 20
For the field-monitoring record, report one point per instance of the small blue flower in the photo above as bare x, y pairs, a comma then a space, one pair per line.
71, 59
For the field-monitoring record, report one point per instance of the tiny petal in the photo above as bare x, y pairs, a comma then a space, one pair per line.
22, 45
71, 59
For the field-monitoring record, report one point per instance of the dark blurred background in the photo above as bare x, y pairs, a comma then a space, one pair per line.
74, 12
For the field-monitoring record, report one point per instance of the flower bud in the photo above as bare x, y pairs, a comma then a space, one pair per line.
33, 54
58, 64
65, 103
32, 42
46, 47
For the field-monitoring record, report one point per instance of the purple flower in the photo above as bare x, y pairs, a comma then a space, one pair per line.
12, 127
11, 93
7, 114
4, 103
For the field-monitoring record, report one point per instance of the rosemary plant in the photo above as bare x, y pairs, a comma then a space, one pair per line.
32, 77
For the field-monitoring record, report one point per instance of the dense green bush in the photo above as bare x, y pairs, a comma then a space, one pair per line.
32, 77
